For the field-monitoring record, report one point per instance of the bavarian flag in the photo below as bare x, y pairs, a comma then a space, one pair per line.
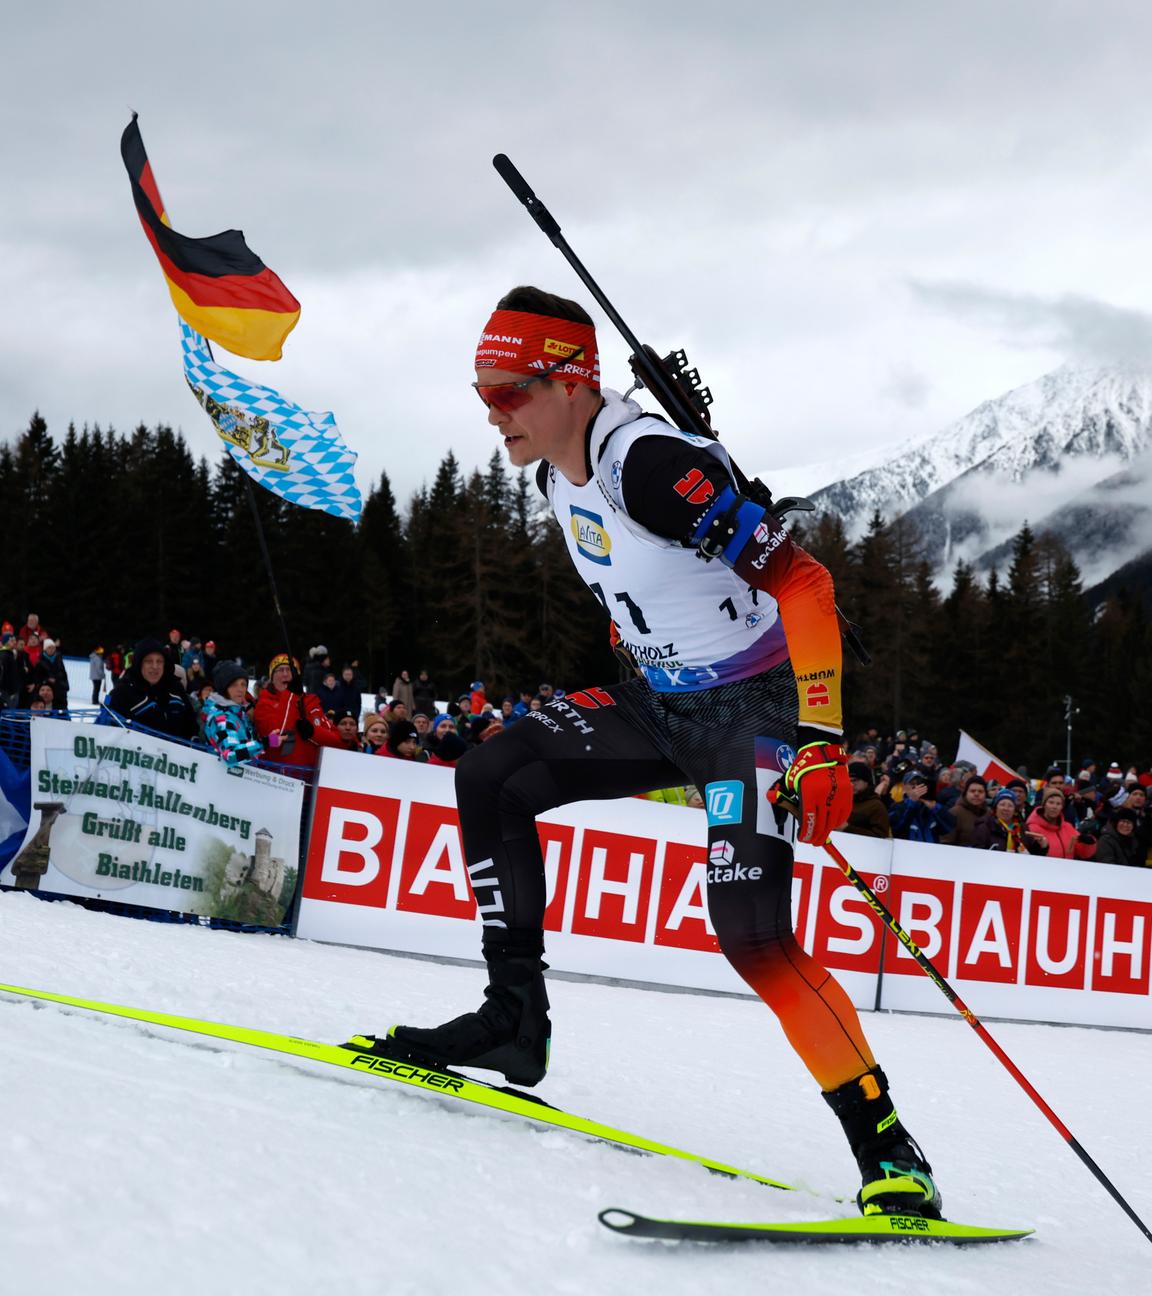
218, 284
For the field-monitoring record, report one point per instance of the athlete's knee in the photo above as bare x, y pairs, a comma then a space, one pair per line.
503, 776
479, 774
749, 898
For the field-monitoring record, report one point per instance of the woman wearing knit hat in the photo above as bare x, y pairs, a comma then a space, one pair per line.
1008, 831
403, 742
227, 716
1048, 824
1118, 842
375, 733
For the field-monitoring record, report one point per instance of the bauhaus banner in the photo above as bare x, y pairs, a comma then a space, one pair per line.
1057, 940
120, 816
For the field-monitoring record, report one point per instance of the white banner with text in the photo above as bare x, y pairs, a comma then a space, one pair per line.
118, 815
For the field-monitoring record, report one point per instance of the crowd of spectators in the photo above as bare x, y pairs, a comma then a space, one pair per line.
179, 688
32, 672
900, 789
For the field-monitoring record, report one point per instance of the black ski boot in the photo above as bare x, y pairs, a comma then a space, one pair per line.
897, 1178
509, 1033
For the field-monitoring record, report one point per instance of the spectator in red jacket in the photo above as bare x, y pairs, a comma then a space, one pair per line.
30, 627
348, 729
448, 749
1047, 821
291, 722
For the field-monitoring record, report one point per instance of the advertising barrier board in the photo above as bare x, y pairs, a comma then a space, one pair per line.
1021, 937
118, 815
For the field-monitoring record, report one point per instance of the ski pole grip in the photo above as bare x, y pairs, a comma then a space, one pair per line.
521, 188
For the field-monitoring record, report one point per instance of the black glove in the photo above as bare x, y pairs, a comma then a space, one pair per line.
296, 684
305, 728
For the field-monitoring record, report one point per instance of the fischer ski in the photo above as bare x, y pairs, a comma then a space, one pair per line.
866, 1228
441, 1083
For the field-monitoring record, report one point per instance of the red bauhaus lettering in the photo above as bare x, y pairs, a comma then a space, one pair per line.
1123, 932
990, 918
923, 907
847, 931
433, 879
802, 881
1058, 924
682, 912
614, 885
350, 850
556, 843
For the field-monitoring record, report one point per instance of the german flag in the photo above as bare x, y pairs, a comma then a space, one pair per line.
219, 286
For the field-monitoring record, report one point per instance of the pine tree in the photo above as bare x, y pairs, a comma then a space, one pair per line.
386, 629
1029, 710
874, 579
437, 542
959, 663
34, 583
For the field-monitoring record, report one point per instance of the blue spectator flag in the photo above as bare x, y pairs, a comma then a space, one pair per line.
297, 455
15, 807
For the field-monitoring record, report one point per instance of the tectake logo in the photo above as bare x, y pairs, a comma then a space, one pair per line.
721, 852
592, 540
725, 802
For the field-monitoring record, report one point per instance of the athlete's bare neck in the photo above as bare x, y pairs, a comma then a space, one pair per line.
572, 458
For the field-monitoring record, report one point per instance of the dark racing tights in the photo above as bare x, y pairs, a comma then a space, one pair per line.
625, 740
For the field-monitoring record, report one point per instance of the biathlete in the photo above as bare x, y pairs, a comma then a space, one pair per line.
738, 691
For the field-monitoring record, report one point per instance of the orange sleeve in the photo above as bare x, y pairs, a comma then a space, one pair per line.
803, 591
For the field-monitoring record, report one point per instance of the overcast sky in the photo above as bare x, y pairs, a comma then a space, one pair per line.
860, 219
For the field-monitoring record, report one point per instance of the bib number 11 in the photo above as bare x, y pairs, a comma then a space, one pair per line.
625, 600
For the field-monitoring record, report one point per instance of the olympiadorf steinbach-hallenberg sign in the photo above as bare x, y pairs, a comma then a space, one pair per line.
117, 815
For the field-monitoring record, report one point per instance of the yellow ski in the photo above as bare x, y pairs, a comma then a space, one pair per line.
427, 1080
865, 1228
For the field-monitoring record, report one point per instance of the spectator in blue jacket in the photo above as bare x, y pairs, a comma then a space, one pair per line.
916, 818
228, 723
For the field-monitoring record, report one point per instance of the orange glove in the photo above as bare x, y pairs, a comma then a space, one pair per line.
818, 785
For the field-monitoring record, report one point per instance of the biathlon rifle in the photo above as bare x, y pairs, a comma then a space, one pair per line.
676, 388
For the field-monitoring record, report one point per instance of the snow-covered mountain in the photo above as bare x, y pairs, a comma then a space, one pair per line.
1070, 452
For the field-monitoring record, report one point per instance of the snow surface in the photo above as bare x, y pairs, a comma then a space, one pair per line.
134, 1159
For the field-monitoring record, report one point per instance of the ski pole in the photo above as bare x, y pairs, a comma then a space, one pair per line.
926, 966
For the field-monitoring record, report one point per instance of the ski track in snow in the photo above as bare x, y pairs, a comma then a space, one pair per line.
136, 1160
